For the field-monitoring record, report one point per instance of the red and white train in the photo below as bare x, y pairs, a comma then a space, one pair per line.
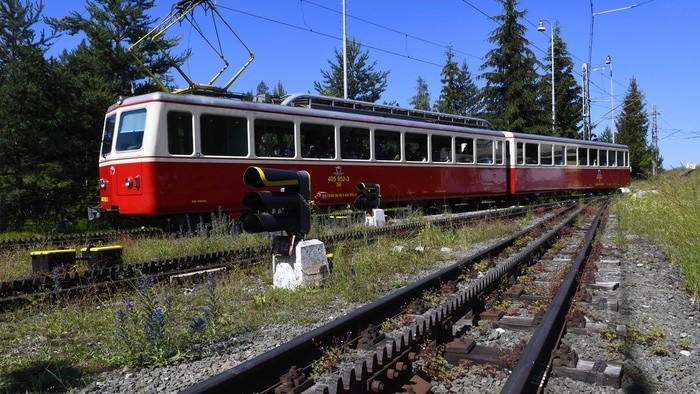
168, 154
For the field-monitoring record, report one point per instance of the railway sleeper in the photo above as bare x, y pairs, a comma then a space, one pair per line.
599, 372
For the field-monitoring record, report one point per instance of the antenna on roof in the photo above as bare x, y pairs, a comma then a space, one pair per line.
184, 10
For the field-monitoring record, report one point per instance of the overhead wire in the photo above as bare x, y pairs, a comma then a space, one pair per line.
599, 90
327, 35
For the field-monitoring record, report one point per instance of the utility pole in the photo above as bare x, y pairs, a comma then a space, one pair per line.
586, 103
654, 141
345, 56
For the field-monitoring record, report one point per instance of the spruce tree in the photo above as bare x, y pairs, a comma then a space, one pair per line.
632, 125
30, 145
422, 98
262, 89
279, 90
451, 96
111, 27
459, 95
472, 94
511, 94
364, 83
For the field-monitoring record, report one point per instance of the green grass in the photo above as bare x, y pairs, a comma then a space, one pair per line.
668, 210
63, 345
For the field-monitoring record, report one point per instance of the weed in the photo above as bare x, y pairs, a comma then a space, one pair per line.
434, 366
211, 313
433, 298
685, 343
331, 356
142, 327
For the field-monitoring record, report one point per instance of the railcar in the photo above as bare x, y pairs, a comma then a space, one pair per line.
170, 154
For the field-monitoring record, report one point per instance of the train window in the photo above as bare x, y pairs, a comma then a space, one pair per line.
571, 156
484, 151
603, 158
464, 148
558, 155
520, 153
532, 154
546, 154
180, 133
108, 134
416, 148
583, 156
499, 152
354, 143
593, 157
131, 127
274, 138
611, 158
442, 148
317, 141
620, 159
387, 145
224, 135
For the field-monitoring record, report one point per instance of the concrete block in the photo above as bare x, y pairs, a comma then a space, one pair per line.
308, 265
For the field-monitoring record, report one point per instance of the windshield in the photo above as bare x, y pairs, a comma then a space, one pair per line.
131, 126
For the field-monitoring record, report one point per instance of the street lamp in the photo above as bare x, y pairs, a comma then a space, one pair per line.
608, 61
541, 27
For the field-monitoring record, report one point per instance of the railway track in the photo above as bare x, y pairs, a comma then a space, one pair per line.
384, 357
65, 283
59, 241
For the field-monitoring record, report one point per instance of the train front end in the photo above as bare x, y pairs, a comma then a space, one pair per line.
126, 157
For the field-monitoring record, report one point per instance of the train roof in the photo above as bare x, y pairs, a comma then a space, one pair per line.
322, 106
561, 140
383, 110
331, 107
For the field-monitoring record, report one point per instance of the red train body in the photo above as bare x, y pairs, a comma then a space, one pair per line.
165, 154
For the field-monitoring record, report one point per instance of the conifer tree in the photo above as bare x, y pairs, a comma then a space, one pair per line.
459, 95
422, 98
472, 94
632, 124
262, 89
511, 95
27, 160
451, 95
364, 83
279, 90
110, 28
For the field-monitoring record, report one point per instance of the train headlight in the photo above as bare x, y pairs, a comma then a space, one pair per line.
128, 182
102, 183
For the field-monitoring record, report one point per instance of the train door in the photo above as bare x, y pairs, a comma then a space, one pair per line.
511, 156
508, 164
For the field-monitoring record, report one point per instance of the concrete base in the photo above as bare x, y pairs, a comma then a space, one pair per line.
376, 218
308, 265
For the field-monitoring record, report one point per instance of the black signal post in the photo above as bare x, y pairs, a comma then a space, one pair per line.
287, 209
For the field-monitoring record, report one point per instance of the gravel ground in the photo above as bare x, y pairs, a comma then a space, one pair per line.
651, 299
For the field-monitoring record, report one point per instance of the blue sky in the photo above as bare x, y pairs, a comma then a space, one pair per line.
654, 41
